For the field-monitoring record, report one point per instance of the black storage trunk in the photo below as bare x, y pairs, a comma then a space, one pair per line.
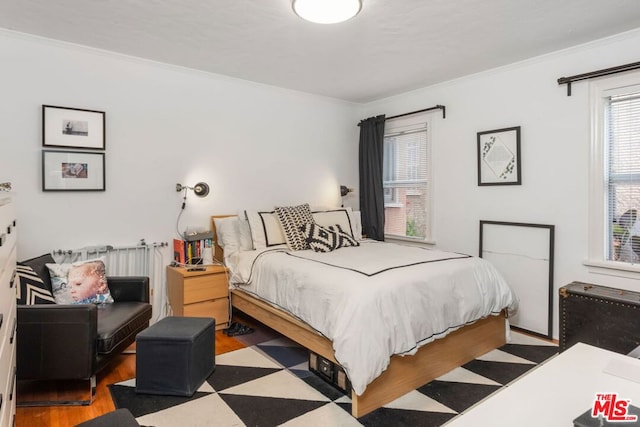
600, 316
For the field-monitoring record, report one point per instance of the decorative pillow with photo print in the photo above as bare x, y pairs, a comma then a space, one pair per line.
82, 282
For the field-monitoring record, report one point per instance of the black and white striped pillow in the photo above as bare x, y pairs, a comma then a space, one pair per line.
292, 218
327, 239
343, 238
32, 289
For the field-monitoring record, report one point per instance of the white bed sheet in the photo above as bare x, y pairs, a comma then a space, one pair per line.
370, 309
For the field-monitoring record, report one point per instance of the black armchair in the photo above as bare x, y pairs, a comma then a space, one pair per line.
65, 342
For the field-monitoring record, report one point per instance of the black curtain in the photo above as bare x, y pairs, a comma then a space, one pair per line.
371, 193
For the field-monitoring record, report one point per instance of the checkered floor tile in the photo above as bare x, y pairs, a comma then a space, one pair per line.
269, 384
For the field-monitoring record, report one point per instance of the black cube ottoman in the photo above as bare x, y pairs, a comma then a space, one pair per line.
175, 355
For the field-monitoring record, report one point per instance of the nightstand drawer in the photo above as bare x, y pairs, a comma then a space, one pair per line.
199, 293
218, 309
202, 288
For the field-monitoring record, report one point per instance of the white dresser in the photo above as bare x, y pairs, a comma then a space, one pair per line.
8, 284
559, 391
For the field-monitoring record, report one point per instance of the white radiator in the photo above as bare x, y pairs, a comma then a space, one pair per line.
142, 259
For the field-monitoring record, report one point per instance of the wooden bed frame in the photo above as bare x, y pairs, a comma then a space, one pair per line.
404, 373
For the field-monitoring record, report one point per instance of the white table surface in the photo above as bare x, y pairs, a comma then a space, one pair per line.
557, 392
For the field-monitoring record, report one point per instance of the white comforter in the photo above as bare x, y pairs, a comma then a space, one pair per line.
375, 300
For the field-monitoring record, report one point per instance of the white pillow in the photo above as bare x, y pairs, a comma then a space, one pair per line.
340, 216
356, 220
233, 234
266, 230
245, 234
228, 235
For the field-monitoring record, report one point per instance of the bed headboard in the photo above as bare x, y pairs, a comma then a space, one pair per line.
217, 249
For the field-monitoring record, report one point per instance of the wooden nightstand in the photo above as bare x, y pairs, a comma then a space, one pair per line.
199, 293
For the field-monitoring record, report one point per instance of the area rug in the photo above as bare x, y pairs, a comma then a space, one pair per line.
269, 384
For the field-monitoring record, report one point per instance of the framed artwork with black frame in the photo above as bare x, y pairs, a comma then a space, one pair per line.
73, 128
523, 253
499, 157
73, 171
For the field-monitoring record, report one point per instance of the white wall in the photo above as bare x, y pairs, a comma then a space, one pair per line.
555, 151
255, 145
258, 145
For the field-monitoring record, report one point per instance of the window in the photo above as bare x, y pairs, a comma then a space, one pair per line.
623, 177
405, 179
390, 171
412, 160
615, 177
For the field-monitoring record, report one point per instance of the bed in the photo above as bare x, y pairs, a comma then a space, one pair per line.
358, 306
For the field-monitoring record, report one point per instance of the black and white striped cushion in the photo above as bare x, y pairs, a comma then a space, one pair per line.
291, 219
31, 289
343, 238
327, 239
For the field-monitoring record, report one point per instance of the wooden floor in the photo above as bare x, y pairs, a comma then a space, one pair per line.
123, 368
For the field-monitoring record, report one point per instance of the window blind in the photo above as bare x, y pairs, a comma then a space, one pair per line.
405, 180
623, 177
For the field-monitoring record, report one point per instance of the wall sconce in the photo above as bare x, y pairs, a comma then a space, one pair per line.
344, 190
5, 186
201, 189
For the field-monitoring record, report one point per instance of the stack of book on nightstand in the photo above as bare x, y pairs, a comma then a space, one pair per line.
196, 248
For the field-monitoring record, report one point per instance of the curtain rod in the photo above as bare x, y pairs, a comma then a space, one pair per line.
599, 73
437, 107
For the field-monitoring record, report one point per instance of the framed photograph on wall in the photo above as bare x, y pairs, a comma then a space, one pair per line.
499, 157
73, 128
72, 171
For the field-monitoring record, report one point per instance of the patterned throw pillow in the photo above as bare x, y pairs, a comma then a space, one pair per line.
327, 239
292, 218
32, 289
82, 282
343, 239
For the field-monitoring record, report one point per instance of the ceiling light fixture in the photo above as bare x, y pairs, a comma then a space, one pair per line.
326, 11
